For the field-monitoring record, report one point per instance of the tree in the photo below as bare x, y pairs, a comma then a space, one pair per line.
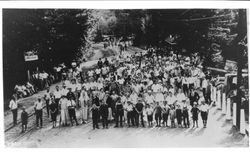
57, 35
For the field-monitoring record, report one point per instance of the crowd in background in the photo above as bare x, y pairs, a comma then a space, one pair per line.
40, 80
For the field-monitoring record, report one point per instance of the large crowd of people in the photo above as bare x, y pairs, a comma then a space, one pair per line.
132, 90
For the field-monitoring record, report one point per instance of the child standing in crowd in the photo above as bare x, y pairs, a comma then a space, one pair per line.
178, 112
71, 109
104, 114
130, 114
204, 108
119, 112
149, 113
165, 114
95, 116
158, 112
24, 118
185, 116
53, 109
172, 116
139, 112
195, 112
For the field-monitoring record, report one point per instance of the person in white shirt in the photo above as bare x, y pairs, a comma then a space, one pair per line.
130, 113
159, 97
204, 86
67, 83
13, 107
149, 113
120, 81
47, 99
171, 99
204, 108
38, 106
90, 73
98, 72
84, 98
57, 94
157, 87
133, 97
185, 85
150, 99
181, 96
104, 72
64, 91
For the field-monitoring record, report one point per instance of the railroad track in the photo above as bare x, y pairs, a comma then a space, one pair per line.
19, 121
14, 134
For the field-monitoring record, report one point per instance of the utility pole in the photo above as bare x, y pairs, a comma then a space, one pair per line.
242, 32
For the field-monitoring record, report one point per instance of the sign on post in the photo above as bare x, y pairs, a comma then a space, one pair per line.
230, 66
30, 55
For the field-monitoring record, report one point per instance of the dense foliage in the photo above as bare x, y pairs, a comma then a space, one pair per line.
196, 30
57, 35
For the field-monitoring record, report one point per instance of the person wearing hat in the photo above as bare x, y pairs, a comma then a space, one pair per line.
130, 113
100, 63
47, 99
204, 108
172, 115
185, 84
119, 112
95, 116
165, 113
64, 110
13, 107
64, 90
57, 94
70, 95
109, 102
38, 106
84, 98
149, 113
185, 115
104, 113
181, 96
195, 112
139, 112
53, 109
158, 114
150, 99
171, 99
71, 110
24, 118
178, 112
193, 97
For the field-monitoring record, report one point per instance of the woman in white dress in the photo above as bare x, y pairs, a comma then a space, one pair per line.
84, 98
64, 111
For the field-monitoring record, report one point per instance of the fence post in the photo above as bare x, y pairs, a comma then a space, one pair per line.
212, 93
228, 115
234, 114
242, 122
214, 88
219, 99
224, 103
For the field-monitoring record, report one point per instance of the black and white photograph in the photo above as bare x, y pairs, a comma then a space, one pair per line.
125, 78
